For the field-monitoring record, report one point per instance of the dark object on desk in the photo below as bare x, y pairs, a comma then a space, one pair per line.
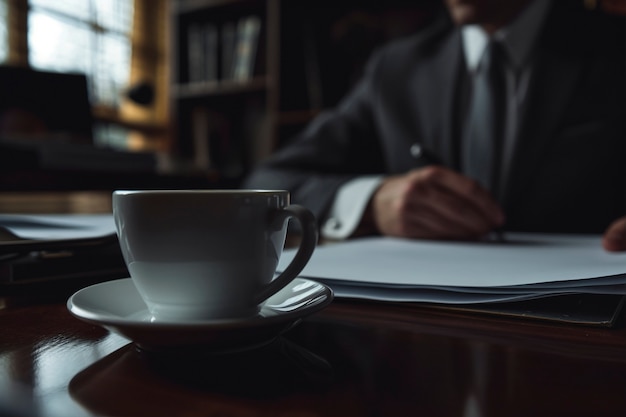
585, 309
46, 124
57, 267
50, 155
38, 104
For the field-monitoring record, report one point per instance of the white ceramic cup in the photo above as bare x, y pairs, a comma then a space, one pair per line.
208, 254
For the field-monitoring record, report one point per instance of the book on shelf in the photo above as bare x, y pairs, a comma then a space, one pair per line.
195, 53
202, 52
201, 136
226, 145
211, 57
248, 33
214, 142
228, 39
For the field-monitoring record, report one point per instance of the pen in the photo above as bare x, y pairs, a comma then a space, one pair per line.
496, 236
424, 155
428, 157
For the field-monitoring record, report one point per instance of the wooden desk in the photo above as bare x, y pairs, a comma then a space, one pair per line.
352, 359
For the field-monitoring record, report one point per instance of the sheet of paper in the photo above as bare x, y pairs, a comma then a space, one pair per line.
58, 226
426, 295
525, 259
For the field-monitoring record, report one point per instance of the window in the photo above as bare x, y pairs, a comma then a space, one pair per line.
87, 36
116, 43
4, 35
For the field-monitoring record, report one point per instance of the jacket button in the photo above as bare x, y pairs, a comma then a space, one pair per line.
416, 150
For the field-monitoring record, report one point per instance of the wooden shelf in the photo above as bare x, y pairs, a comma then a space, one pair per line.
191, 6
219, 88
106, 115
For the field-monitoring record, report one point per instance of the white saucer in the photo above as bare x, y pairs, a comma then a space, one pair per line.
117, 306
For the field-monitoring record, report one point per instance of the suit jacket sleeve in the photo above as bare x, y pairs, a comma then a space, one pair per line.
337, 146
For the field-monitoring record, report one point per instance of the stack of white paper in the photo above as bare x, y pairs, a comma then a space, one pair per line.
525, 266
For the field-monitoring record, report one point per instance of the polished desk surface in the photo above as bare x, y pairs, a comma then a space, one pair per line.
351, 359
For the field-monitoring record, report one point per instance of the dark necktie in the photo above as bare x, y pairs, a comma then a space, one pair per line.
485, 124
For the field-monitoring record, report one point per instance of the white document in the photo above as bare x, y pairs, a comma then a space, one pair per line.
526, 266
58, 226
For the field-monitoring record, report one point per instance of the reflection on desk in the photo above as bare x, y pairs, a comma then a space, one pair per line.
268, 373
368, 359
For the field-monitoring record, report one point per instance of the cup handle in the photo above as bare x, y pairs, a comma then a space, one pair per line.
305, 250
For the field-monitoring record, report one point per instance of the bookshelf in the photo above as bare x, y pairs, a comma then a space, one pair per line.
246, 75
221, 84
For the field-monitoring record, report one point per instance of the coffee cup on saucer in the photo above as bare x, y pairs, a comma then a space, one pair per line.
198, 255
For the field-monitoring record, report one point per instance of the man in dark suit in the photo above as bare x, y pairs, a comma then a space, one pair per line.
395, 157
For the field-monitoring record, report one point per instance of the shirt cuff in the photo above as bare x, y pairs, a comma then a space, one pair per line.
348, 207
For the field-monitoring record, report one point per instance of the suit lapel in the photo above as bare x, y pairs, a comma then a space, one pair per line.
436, 86
552, 84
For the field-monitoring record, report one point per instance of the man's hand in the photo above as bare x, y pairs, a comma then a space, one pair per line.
614, 239
434, 203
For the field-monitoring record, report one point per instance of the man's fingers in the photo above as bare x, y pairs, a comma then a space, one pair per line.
426, 223
434, 202
461, 198
447, 212
614, 239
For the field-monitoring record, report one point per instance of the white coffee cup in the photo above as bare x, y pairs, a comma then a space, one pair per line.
208, 254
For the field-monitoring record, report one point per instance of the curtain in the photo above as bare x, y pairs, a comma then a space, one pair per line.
149, 66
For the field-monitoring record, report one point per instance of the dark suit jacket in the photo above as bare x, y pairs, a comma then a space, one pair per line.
568, 170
